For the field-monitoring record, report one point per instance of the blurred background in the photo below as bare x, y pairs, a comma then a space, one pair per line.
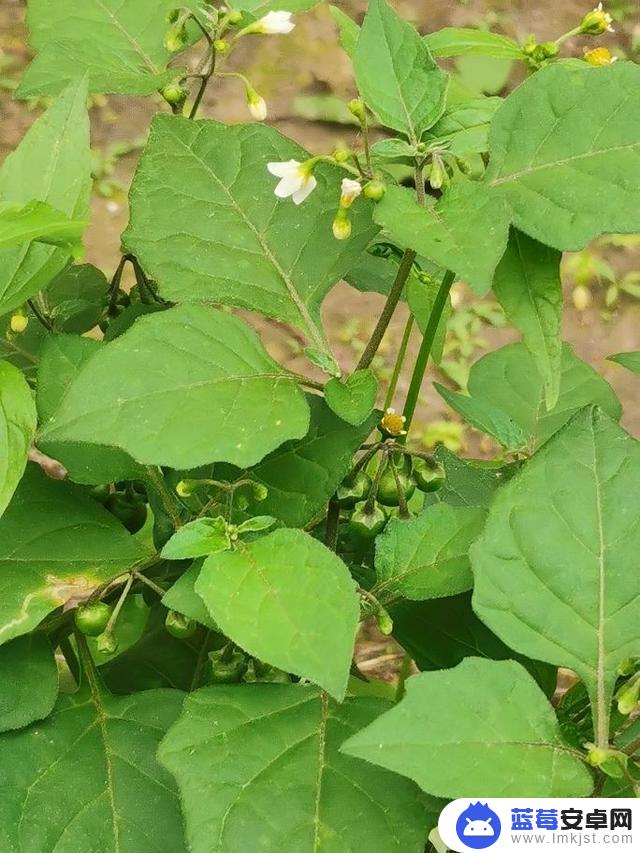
307, 80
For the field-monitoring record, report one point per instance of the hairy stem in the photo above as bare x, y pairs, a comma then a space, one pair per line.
425, 349
169, 501
393, 384
390, 305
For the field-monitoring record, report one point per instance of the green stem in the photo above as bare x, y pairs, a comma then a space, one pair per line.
406, 264
40, 315
169, 503
204, 82
393, 384
333, 520
114, 287
120, 603
405, 672
425, 349
151, 584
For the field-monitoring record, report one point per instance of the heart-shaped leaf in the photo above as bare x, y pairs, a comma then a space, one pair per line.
353, 400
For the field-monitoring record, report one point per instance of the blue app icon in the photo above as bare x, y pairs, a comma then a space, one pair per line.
478, 826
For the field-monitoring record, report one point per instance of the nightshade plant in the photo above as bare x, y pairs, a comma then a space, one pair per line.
191, 534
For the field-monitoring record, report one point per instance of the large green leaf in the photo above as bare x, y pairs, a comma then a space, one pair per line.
28, 681
56, 544
564, 152
464, 41
119, 45
464, 129
469, 482
87, 779
466, 231
62, 359
396, 74
484, 725
353, 400
442, 632
301, 476
17, 428
505, 387
245, 754
288, 600
183, 598
182, 388
555, 569
41, 223
527, 285
236, 242
52, 164
427, 556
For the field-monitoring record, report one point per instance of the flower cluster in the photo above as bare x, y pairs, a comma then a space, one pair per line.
596, 22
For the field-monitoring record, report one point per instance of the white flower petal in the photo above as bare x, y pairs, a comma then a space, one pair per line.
276, 23
305, 190
281, 170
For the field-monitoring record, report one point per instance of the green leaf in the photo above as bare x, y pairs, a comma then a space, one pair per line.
442, 632
527, 285
464, 129
28, 681
198, 538
63, 358
301, 476
427, 556
353, 400
129, 628
347, 28
630, 360
236, 750
41, 223
564, 153
261, 7
482, 75
288, 600
183, 598
120, 46
75, 299
88, 776
469, 482
421, 295
554, 570
484, 725
466, 231
17, 428
56, 545
484, 415
238, 244
505, 387
22, 350
396, 74
52, 164
462, 41
182, 388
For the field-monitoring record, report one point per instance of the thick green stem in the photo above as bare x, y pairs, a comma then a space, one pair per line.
390, 305
393, 384
425, 349
169, 502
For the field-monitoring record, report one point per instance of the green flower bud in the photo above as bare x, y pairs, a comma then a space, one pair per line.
357, 108
260, 492
374, 190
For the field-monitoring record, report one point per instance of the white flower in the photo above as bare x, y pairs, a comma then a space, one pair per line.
275, 23
350, 191
296, 181
257, 106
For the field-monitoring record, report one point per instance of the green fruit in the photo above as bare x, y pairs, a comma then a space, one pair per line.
228, 671
174, 94
388, 488
100, 494
352, 492
92, 619
132, 513
180, 626
365, 524
429, 475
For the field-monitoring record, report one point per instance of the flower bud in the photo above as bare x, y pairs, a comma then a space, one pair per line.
374, 190
628, 696
257, 105
18, 322
350, 190
356, 108
599, 56
384, 622
221, 46
549, 49
260, 492
234, 16
184, 489
342, 225
596, 22
581, 297
392, 423
341, 155
437, 173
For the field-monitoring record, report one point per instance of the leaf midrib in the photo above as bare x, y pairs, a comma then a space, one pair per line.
514, 176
